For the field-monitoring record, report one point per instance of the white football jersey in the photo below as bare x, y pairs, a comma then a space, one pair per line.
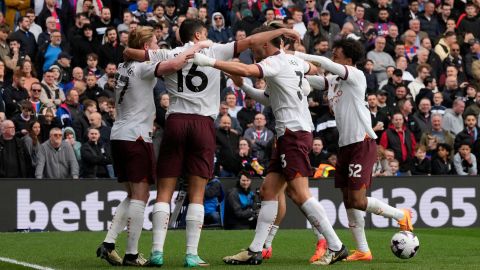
346, 97
284, 74
134, 101
194, 89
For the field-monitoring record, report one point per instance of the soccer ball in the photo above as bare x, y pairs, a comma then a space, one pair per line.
404, 244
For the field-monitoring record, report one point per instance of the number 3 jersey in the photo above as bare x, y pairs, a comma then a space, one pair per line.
284, 74
194, 89
134, 101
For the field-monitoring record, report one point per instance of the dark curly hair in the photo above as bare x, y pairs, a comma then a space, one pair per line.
351, 49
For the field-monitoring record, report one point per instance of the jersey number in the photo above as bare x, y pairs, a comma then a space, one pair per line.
192, 73
122, 80
354, 170
300, 92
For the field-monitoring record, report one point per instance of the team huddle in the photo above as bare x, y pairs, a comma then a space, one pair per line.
194, 88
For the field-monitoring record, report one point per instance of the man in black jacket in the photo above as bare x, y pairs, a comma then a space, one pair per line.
227, 148
15, 162
95, 156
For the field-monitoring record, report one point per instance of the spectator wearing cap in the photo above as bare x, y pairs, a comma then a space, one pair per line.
472, 56
111, 51
453, 120
380, 59
83, 46
63, 62
328, 28
336, 9
26, 38
393, 82
48, 53
219, 32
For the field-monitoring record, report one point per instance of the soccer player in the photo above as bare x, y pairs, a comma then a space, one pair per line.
188, 144
131, 142
284, 75
357, 152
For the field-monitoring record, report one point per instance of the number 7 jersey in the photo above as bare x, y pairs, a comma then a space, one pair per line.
194, 89
284, 74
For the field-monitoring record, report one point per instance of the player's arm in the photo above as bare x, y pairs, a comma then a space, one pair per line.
265, 37
325, 63
234, 68
257, 94
318, 82
172, 65
145, 55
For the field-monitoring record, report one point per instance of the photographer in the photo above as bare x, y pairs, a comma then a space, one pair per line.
240, 208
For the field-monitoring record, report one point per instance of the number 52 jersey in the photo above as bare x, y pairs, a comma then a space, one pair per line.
194, 89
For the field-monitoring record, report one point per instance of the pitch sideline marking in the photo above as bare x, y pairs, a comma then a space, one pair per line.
30, 265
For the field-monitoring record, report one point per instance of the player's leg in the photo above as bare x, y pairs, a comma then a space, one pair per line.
299, 192
356, 224
107, 249
272, 185
282, 209
160, 218
194, 220
135, 217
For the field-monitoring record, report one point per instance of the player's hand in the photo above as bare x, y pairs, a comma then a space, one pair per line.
203, 44
203, 60
292, 34
237, 80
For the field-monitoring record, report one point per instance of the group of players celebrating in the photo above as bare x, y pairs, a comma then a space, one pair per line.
188, 144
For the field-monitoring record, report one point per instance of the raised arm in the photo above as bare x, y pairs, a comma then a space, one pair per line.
142, 55
264, 37
172, 65
325, 63
233, 68
317, 82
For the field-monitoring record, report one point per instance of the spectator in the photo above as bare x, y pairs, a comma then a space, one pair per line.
48, 53
312, 35
474, 108
70, 137
299, 25
92, 66
368, 71
247, 114
318, 155
94, 91
51, 94
437, 104
14, 157
213, 197
429, 22
81, 124
379, 117
141, 12
441, 163
453, 120
37, 105
422, 118
71, 109
382, 25
103, 23
437, 131
381, 166
358, 20
401, 141
84, 45
421, 164
443, 47
56, 158
63, 63
259, 136
22, 121
127, 19
76, 30
422, 72
14, 94
392, 39
470, 23
45, 36
50, 9
32, 141
25, 37
451, 90
464, 161
219, 32
110, 69
427, 92
95, 120
227, 148
29, 74
240, 208
47, 122
336, 9
15, 9
235, 125
111, 51
471, 56
96, 156
470, 133
414, 25
328, 28
394, 167
380, 59
402, 64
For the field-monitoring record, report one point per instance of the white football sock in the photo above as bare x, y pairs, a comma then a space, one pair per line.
271, 236
194, 220
266, 218
356, 223
318, 234
135, 215
119, 221
315, 213
378, 207
160, 218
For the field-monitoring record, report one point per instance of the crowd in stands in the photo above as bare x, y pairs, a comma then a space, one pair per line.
58, 61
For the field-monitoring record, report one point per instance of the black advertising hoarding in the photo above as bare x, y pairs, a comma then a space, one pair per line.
87, 205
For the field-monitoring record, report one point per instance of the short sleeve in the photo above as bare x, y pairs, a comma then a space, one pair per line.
146, 70
269, 68
224, 51
158, 55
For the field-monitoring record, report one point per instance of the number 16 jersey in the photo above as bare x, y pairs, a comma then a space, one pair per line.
194, 89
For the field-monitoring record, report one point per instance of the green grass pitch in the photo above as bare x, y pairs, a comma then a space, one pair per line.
439, 249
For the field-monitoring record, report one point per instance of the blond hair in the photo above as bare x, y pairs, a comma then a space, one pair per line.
141, 35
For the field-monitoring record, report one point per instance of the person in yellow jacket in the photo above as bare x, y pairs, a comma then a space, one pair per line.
15, 9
